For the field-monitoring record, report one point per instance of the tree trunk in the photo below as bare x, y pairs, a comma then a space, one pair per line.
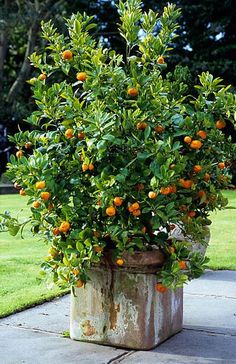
25, 68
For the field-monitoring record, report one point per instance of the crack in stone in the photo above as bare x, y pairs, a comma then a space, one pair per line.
119, 358
209, 295
31, 328
209, 331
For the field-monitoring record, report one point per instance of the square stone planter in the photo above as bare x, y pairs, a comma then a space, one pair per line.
119, 306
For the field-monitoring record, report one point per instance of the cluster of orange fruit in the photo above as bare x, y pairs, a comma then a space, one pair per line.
69, 134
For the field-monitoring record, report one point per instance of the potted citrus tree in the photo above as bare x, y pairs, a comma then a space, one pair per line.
120, 154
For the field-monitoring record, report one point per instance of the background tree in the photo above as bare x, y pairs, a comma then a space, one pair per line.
207, 28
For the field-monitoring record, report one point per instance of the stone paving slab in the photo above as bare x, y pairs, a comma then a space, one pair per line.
51, 317
19, 346
189, 347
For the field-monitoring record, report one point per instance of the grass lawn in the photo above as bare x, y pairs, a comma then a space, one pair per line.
20, 259
222, 247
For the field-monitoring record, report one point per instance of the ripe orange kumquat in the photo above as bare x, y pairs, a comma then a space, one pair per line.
111, 211
159, 128
64, 227
197, 168
79, 283
160, 287
120, 262
152, 195
56, 231
207, 177
195, 144
40, 185
187, 139
202, 134
45, 195
22, 192
69, 133
81, 76
132, 91
142, 125
85, 167
67, 55
42, 77
161, 60
36, 204
182, 264
220, 124
118, 201
191, 213
136, 213
221, 165
19, 154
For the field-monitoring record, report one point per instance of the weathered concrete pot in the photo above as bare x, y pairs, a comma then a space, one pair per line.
120, 306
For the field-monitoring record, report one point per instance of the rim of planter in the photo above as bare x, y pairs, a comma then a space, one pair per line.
137, 262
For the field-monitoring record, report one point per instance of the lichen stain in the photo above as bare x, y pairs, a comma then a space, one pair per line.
88, 329
114, 309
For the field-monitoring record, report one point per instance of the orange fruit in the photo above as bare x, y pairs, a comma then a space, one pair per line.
67, 54
220, 124
139, 187
159, 128
22, 192
182, 208
136, 213
42, 77
197, 168
135, 206
36, 204
79, 283
76, 271
111, 211
119, 261
132, 91
201, 193
207, 177
186, 183
165, 190
160, 60
98, 249
96, 234
19, 154
81, 135
152, 195
28, 145
202, 134
45, 195
16, 186
64, 227
196, 144
182, 264
173, 189
160, 288
118, 201
40, 185
69, 133
187, 139
221, 165
91, 167
141, 126
191, 213
81, 76
56, 231
85, 167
